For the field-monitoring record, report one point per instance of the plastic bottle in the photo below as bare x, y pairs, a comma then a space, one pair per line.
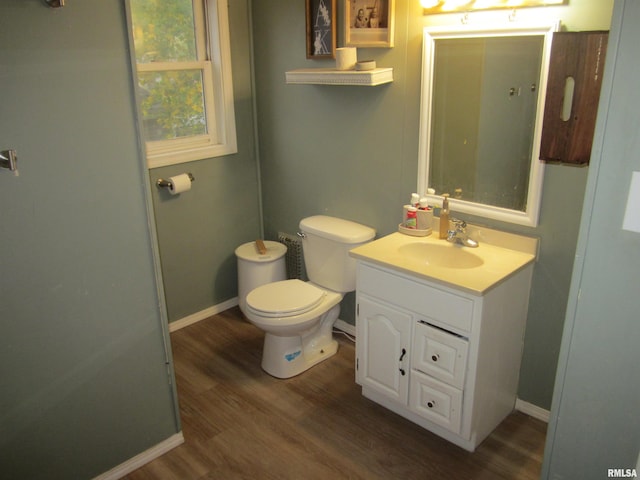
412, 218
444, 216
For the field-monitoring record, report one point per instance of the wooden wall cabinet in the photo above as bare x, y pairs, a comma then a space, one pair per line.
570, 110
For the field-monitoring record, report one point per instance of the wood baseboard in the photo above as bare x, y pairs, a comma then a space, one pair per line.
532, 410
233, 302
143, 458
345, 327
202, 314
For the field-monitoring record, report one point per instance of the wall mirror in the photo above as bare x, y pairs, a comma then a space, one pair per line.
482, 103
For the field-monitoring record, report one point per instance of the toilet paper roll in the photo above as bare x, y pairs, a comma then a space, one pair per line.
346, 58
180, 183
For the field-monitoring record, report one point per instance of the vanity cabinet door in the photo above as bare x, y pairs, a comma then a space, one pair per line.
384, 335
570, 109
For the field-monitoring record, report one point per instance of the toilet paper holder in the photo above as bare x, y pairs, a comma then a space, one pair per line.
161, 183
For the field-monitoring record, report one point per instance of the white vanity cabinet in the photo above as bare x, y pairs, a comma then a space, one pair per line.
444, 358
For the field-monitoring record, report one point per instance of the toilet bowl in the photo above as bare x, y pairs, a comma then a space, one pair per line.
297, 317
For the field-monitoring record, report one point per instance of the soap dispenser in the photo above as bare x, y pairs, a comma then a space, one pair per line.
444, 216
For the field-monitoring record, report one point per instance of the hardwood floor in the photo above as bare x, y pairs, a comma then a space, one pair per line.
240, 423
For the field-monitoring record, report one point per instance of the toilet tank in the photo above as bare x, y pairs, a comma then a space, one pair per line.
325, 246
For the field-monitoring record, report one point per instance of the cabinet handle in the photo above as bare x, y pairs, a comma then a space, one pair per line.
404, 351
435, 357
431, 403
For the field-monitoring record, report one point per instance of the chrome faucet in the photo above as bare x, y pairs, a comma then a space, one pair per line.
459, 234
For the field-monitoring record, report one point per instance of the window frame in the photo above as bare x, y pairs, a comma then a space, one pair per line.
213, 47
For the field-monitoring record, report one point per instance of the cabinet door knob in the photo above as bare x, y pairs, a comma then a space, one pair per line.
431, 403
435, 357
402, 372
403, 354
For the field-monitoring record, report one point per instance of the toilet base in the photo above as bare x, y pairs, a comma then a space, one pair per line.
295, 360
285, 357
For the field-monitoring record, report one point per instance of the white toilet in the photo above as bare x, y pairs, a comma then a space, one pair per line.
298, 316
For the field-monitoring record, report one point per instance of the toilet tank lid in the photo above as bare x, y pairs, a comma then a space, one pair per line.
337, 229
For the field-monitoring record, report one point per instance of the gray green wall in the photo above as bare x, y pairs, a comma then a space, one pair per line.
595, 424
199, 230
352, 152
83, 380
82, 361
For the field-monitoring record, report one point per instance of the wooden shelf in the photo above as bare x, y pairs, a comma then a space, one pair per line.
331, 76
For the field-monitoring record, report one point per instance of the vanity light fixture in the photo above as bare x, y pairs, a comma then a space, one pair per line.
449, 6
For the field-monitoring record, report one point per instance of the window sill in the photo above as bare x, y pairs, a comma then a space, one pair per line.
190, 155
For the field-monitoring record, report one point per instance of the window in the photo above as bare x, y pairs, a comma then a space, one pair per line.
183, 65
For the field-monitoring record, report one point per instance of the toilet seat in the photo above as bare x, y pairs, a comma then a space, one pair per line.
285, 298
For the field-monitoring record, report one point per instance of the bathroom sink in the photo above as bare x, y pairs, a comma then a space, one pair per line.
474, 270
445, 255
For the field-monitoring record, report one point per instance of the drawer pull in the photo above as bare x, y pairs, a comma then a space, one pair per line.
435, 357
431, 403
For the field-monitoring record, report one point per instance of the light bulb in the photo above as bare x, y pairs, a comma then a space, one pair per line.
429, 3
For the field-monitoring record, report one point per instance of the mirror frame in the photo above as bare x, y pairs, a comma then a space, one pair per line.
529, 217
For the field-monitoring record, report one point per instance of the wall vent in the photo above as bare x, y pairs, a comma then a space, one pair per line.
293, 257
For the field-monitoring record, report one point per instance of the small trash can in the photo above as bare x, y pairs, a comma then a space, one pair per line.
255, 269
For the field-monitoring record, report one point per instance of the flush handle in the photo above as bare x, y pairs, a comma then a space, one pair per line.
9, 160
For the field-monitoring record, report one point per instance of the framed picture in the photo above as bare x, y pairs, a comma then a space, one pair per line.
321, 29
369, 23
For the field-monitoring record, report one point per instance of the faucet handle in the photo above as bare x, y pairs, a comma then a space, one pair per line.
459, 224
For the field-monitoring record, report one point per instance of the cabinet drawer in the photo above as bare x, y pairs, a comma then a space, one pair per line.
436, 401
440, 354
447, 308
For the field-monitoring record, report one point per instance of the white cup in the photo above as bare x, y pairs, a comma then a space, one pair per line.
346, 58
